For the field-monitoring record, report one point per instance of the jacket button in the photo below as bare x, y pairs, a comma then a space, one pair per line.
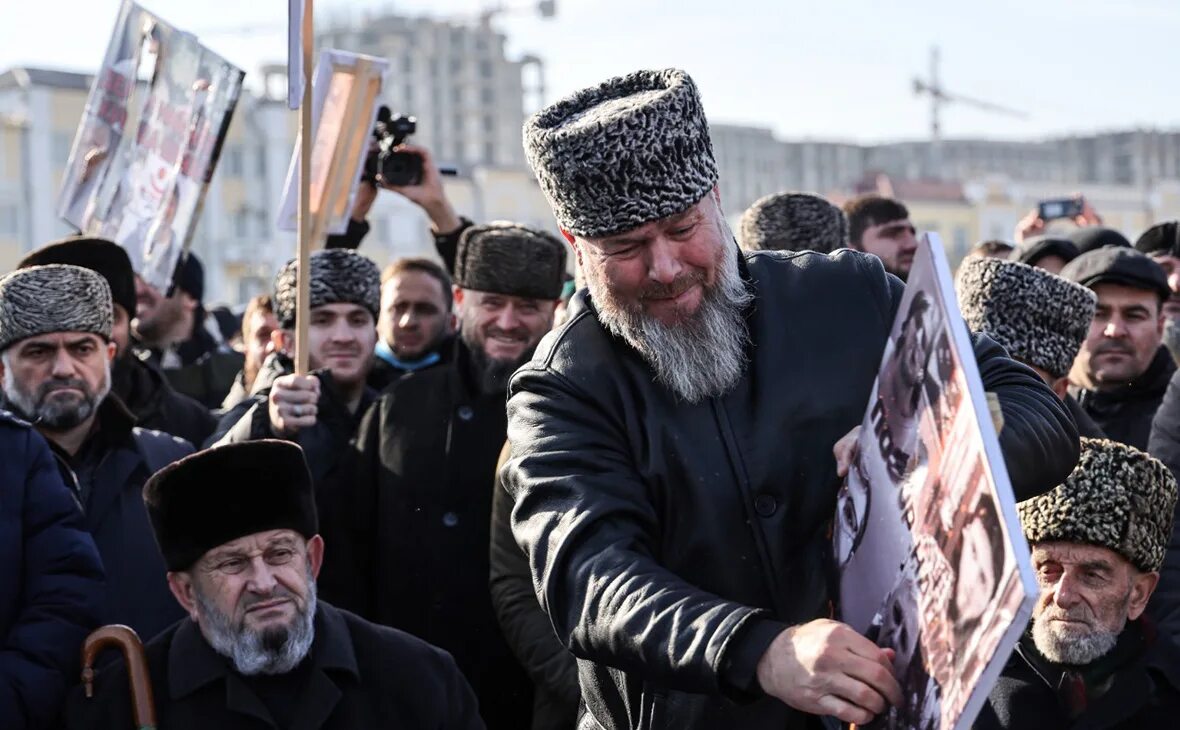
450, 519
465, 413
765, 505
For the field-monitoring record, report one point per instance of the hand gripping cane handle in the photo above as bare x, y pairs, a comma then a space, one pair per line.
127, 641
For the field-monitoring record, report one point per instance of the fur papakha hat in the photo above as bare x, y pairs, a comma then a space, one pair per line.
1040, 318
511, 259
54, 298
220, 494
632, 150
794, 222
1117, 497
338, 276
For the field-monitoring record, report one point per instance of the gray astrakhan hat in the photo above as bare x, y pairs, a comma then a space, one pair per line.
508, 258
39, 300
794, 222
338, 276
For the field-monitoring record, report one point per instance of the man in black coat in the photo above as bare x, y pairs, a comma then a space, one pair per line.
51, 586
416, 326
1122, 371
55, 357
142, 388
238, 529
1039, 318
426, 456
672, 462
1090, 658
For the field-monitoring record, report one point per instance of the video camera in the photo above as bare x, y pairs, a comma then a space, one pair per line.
393, 168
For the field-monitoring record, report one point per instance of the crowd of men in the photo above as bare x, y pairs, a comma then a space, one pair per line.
504, 499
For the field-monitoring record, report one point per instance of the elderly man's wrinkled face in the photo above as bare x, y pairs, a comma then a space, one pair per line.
1124, 336
254, 599
58, 380
671, 289
1088, 594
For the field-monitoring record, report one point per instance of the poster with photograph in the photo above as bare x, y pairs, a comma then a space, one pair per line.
344, 96
931, 558
148, 142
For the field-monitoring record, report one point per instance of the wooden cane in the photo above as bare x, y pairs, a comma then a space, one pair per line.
127, 641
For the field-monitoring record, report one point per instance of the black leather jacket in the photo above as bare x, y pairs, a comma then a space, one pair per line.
670, 542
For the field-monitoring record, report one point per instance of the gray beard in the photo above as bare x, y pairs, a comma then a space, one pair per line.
273, 651
1072, 648
50, 414
699, 358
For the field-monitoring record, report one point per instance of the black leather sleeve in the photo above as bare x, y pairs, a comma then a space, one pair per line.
583, 516
1164, 606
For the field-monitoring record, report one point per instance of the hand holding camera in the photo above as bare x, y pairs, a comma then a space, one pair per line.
1076, 209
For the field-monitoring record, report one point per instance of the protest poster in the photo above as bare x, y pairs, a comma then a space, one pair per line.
931, 558
149, 141
345, 87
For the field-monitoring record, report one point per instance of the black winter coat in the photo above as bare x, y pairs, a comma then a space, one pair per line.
111, 468
526, 627
1164, 607
1144, 693
156, 405
51, 585
1125, 413
421, 501
671, 542
361, 677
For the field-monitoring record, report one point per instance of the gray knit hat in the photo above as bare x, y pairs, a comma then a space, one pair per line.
1117, 497
508, 258
53, 298
338, 275
1039, 318
794, 222
629, 151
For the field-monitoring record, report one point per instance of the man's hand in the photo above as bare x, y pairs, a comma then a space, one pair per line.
366, 195
1089, 216
845, 452
292, 404
826, 668
1030, 225
428, 194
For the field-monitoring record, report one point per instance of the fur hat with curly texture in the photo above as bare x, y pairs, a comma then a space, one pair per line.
338, 276
631, 150
508, 258
1117, 497
794, 222
39, 300
1040, 318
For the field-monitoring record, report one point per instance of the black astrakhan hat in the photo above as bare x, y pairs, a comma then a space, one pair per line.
1041, 319
632, 150
53, 298
1161, 238
794, 222
508, 258
1118, 265
1032, 250
1117, 497
338, 276
220, 494
97, 254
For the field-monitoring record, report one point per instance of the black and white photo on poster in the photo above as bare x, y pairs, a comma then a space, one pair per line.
148, 141
930, 557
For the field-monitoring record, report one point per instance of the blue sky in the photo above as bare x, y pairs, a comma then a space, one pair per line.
840, 69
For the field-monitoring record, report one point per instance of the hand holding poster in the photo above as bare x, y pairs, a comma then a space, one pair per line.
148, 142
931, 557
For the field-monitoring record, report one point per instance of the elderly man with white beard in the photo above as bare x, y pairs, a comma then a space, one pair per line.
56, 351
1091, 657
672, 444
237, 526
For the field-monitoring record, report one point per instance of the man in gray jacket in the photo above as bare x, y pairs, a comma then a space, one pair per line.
672, 461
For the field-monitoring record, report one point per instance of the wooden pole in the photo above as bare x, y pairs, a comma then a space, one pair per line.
302, 303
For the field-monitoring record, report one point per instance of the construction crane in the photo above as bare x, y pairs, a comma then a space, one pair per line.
940, 97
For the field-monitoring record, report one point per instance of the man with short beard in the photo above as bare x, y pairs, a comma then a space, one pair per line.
425, 458
672, 463
239, 531
1090, 657
140, 385
55, 359
1122, 370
